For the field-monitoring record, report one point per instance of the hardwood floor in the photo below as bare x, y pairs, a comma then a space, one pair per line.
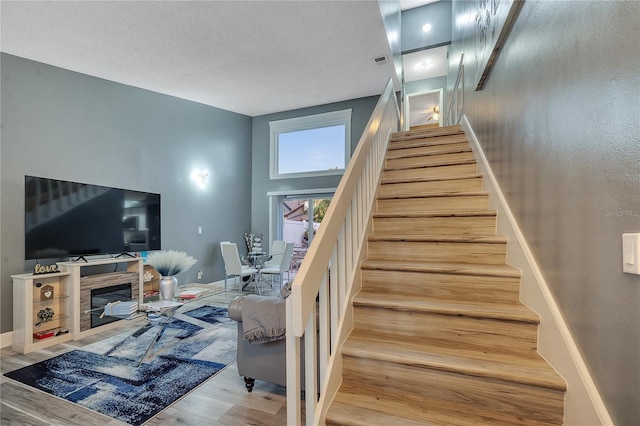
221, 400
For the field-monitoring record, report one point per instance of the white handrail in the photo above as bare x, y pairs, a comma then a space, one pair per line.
322, 289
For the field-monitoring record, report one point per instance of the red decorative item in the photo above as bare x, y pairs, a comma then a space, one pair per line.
44, 334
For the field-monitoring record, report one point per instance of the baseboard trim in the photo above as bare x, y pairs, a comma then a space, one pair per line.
6, 339
583, 403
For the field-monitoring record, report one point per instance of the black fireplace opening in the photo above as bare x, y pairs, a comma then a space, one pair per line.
101, 296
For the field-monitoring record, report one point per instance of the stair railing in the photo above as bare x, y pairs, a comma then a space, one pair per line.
318, 308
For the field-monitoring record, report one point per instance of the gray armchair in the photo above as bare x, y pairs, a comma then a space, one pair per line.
261, 361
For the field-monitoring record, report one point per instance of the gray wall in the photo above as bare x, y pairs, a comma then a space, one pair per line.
361, 110
392, 21
559, 120
437, 14
428, 84
69, 126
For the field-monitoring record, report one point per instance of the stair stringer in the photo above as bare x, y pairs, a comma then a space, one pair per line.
583, 403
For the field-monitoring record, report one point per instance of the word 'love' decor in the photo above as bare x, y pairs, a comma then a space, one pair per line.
46, 269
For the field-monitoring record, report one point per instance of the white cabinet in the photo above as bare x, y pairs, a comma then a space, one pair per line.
49, 308
42, 310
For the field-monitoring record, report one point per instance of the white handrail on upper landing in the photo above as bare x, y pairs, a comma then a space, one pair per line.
319, 305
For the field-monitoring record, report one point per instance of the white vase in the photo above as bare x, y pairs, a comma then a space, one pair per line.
168, 286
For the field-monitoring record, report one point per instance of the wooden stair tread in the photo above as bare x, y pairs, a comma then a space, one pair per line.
427, 133
425, 215
361, 411
443, 163
486, 239
479, 269
442, 151
400, 302
438, 194
533, 371
424, 139
391, 181
396, 147
343, 413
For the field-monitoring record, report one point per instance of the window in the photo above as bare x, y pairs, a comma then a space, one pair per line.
315, 145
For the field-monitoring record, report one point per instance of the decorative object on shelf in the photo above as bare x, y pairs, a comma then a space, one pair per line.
46, 269
46, 292
150, 281
169, 263
40, 335
254, 242
45, 315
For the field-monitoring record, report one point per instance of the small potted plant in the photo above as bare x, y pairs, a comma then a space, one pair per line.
169, 263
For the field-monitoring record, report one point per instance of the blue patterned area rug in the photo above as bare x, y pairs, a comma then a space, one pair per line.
105, 376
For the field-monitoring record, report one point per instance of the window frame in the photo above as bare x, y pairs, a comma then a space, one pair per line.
308, 122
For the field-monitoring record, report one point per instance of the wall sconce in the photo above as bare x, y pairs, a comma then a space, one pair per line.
200, 177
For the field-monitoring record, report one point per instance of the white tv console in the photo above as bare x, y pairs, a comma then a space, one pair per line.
69, 288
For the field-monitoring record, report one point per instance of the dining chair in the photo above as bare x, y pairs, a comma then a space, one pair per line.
283, 266
235, 269
275, 254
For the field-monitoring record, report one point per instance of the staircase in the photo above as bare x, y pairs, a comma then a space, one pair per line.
440, 337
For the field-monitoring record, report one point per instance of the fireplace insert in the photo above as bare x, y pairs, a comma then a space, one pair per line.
101, 296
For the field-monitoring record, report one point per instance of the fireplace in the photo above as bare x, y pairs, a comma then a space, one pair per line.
101, 296
110, 283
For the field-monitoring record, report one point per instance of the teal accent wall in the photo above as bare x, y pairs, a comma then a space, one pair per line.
437, 14
70, 126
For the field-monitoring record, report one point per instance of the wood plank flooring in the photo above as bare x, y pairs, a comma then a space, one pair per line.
221, 400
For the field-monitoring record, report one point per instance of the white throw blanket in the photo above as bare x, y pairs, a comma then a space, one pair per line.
263, 318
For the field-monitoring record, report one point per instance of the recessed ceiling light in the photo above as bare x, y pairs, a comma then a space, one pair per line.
426, 28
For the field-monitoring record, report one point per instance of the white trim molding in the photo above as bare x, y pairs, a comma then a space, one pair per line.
583, 403
308, 122
407, 106
6, 339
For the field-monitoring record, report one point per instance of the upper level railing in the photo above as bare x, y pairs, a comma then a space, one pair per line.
319, 305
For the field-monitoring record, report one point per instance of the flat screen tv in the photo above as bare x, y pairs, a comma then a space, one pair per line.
71, 219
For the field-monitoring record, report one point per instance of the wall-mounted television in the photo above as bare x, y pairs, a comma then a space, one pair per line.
72, 219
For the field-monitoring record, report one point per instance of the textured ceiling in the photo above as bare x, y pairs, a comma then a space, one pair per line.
250, 57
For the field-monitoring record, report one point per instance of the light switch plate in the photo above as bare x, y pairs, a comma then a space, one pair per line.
631, 253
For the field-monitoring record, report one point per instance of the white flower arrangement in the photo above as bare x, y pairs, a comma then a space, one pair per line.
170, 262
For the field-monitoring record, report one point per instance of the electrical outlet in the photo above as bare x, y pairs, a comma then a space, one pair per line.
199, 275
